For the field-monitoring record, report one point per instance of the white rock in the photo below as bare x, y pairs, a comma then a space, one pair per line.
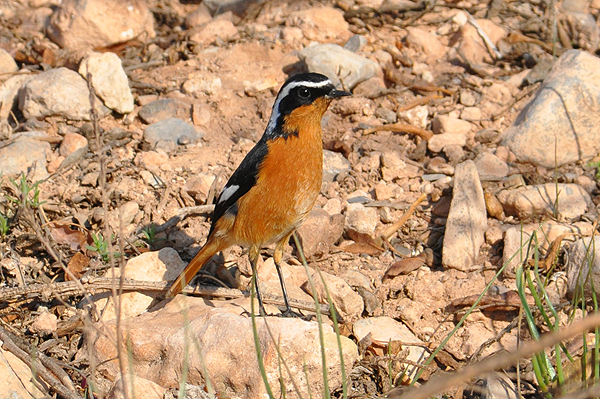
361, 218
584, 257
515, 238
530, 201
109, 80
347, 301
22, 154
490, 167
7, 64
338, 64
100, 23
57, 92
385, 329
9, 91
564, 115
216, 336
163, 265
321, 24
467, 219
16, 378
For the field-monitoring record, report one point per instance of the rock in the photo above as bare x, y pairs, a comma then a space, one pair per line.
140, 388
425, 42
444, 124
563, 115
496, 385
198, 186
334, 163
514, 238
198, 83
9, 92
163, 265
348, 302
108, 80
170, 130
199, 16
321, 24
392, 167
217, 30
22, 154
201, 115
439, 165
486, 136
361, 218
152, 160
417, 116
355, 43
467, 220
314, 233
387, 115
584, 257
123, 217
158, 110
449, 131
343, 67
222, 341
490, 167
333, 206
440, 141
471, 114
99, 23
385, 329
7, 63
493, 235
45, 323
540, 200
58, 92
17, 377
71, 143
471, 45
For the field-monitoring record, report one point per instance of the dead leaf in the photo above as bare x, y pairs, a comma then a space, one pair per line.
338, 146
77, 265
65, 235
408, 265
507, 301
360, 248
401, 267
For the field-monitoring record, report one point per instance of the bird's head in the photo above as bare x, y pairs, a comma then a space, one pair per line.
307, 93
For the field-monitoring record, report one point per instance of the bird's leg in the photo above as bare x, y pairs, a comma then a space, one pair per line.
277, 256
253, 256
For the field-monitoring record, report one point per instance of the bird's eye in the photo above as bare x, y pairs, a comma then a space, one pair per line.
304, 94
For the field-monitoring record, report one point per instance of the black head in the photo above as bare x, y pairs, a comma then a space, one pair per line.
300, 90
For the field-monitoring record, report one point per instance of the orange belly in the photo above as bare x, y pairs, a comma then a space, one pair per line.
284, 194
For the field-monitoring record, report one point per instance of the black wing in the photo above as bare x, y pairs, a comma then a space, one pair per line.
244, 178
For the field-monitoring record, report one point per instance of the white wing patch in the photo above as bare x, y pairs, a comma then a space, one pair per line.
228, 192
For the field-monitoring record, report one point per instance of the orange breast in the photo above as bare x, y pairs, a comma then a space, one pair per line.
288, 183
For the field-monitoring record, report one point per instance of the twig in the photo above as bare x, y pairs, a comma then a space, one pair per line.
96, 285
401, 127
443, 382
387, 233
36, 366
491, 47
419, 101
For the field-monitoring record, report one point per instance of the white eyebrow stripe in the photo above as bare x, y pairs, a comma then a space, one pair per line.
228, 192
285, 92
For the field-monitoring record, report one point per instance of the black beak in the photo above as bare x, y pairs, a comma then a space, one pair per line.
338, 93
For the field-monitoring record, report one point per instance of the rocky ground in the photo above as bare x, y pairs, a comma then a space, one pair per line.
467, 154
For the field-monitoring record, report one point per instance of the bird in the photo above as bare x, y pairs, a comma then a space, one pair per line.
275, 186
